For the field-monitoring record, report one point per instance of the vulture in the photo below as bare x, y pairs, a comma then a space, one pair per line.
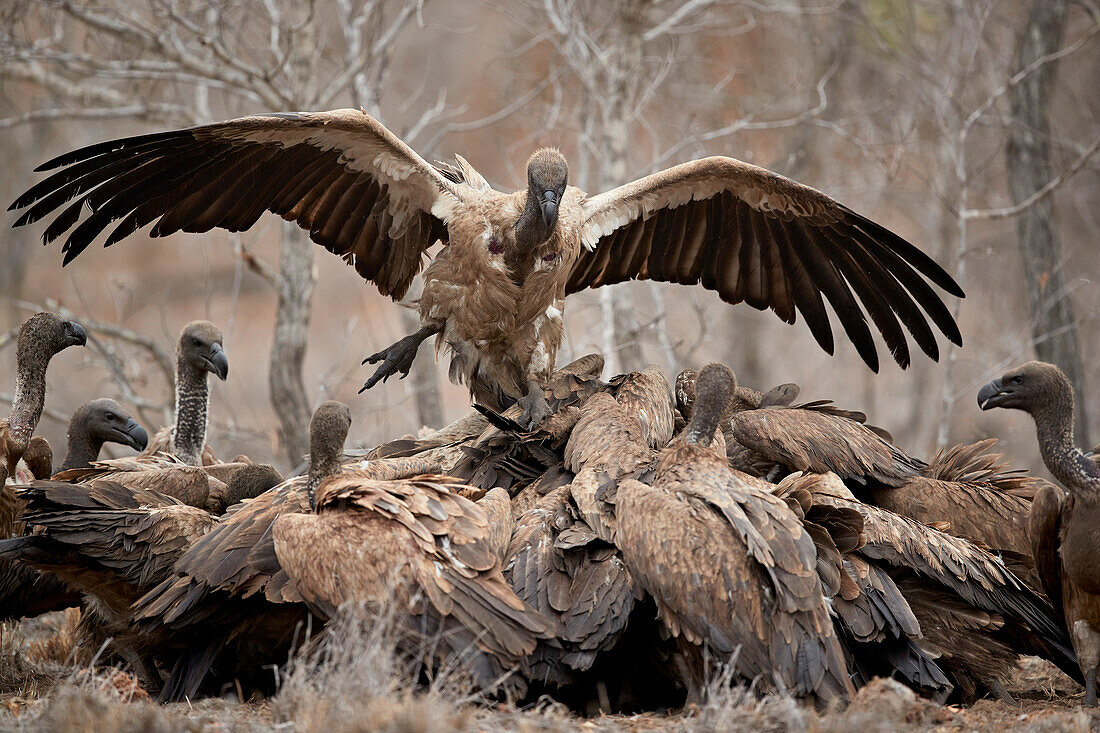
112, 543
494, 294
40, 337
419, 543
199, 352
1063, 524
228, 609
562, 558
976, 617
879, 630
23, 592
765, 431
730, 566
95, 423
971, 492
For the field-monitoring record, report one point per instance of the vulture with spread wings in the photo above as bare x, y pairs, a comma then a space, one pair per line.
495, 293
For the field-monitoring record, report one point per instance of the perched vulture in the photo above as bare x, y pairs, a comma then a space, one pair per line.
730, 567
972, 493
95, 423
1063, 525
975, 615
40, 337
421, 545
766, 434
198, 353
495, 293
23, 591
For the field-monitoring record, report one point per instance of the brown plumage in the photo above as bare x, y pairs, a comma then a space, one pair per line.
764, 431
417, 543
228, 598
1064, 526
972, 493
111, 543
95, 423
495, 294
873, 619
734, 570
974, 613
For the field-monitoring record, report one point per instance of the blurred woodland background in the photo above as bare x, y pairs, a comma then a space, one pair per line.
970, 127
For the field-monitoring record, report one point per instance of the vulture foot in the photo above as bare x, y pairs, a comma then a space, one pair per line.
397, 358
535, 407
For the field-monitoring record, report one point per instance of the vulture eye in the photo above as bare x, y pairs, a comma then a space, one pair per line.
1017, 380
110, 417
196, 341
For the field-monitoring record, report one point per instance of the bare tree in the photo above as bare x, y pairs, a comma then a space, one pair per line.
116, 59
1030, 165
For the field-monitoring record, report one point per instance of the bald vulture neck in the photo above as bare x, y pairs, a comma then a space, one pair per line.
324, 461
1054, 427
192, 402
531, 230
705, 418
30, 394
83, 447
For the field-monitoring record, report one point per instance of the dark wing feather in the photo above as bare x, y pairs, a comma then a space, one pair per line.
356, 188
757, 237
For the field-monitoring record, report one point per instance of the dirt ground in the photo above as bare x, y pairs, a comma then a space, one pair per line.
360, 688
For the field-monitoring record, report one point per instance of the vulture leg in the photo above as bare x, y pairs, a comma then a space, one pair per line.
535, 407
1090, 688
398, 357
997, 688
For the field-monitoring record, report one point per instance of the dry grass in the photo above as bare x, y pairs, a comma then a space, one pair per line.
60, 647
353, 678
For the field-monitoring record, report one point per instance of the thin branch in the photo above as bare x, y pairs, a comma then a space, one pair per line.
1040, 194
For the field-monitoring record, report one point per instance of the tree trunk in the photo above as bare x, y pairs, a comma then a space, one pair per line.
288, 349
1030, 165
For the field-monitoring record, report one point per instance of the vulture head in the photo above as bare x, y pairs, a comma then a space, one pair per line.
1027, 387
201, 346
547, 177
251, 481
328, 429
714, 391
43, 335
105, 421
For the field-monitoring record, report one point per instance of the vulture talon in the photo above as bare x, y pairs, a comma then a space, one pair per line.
396, 358
535, 409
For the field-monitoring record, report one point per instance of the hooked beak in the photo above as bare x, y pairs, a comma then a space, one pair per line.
75, 335
217, 362
549, 206
992, 395
133, 435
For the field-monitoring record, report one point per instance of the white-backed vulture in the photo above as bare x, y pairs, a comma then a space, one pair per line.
95, 423
1063, 525
40, 337
420, 544
763, 431
974, 613
112, 543
198, 352
731, 567
228, 598
972, 493
495, 294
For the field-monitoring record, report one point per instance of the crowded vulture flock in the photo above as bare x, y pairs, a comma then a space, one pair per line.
644, 537
617, 543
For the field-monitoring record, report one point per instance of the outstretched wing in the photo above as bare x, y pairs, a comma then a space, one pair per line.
359, 190
755, 236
